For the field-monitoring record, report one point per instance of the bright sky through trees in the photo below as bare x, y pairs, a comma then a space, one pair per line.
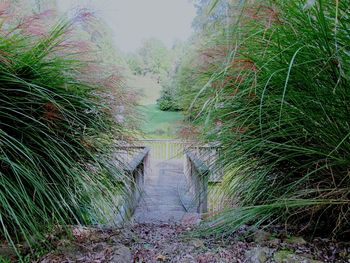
134, 20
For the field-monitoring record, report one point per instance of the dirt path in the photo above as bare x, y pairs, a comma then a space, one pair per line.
161, 232
143, 243
150, 243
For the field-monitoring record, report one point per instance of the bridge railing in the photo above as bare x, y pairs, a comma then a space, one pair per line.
197, 173
165, 149
134, 161
203, 172
201, 167
136, 168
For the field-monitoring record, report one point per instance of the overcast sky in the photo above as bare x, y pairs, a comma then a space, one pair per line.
134, 20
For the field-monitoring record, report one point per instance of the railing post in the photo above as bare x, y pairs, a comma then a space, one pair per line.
136, 169
199, 176
203, 199
167, 150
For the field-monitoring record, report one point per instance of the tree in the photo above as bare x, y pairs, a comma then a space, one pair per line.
135, 63
210, 12
155, 55
152, 58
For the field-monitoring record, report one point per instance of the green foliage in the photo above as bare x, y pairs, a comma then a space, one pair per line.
54, 163
155, 60
169, 99
152, 58
167, 103
4, 260
135, 63
155, 56
210, 13
276, 98
173, 84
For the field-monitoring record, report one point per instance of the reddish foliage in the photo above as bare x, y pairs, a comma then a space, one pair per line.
4, 8
189, 132
244, 64
84, 16
111, 81
229, 81
252, 95
234, 92
264, 13
4, 57
51, 112
241, 130
210, 55
34, 25
78, 46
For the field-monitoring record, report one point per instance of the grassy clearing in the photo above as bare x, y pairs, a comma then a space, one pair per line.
155, 123
160, 124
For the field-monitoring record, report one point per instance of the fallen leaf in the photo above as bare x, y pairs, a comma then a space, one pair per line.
161, 258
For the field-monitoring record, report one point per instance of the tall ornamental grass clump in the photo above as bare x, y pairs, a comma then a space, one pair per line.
55, 132
280, 108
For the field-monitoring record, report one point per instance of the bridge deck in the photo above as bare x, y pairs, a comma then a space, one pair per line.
161, 202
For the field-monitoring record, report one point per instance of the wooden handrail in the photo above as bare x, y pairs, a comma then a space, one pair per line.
203, 168
198, 174
138, 159
199, 164
136, 169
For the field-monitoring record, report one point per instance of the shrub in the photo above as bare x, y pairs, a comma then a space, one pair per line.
54, 165
168, 102
279, 106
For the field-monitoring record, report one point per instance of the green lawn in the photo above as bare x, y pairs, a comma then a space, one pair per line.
160, 124
157, 123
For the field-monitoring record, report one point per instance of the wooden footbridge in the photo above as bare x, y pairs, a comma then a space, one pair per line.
170, 180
